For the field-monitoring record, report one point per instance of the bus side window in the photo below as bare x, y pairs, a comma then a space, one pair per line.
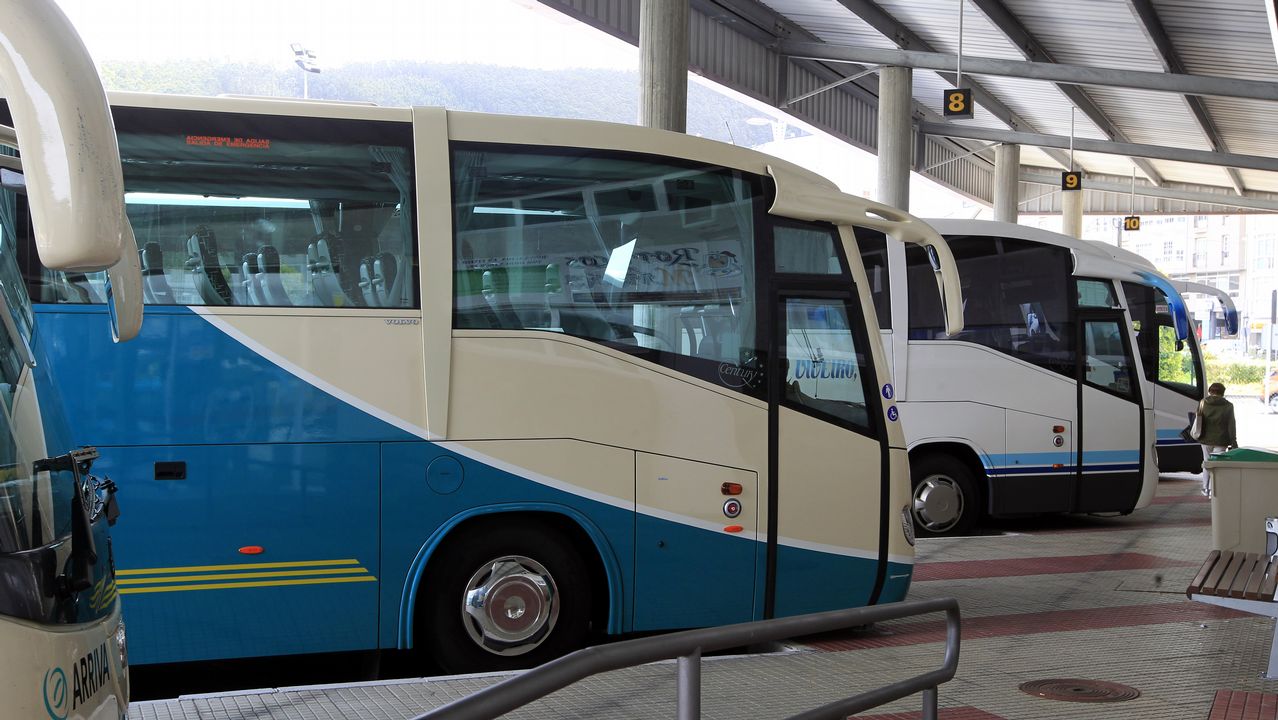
319, 214
655, 259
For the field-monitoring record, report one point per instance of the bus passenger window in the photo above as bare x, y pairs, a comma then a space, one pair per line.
1024, 311
256, 210
654, 259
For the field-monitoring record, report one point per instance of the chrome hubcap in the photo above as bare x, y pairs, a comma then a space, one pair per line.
510, 605
938, 503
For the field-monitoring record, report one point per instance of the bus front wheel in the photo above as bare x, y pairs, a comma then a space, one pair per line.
944, 501
503, 598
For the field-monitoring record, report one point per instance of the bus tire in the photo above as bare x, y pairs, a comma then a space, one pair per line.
944, 499
504, 597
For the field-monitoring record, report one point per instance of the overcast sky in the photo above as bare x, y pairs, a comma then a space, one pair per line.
501, 32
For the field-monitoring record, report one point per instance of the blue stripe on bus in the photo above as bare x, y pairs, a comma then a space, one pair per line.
1061, 462
1171, 436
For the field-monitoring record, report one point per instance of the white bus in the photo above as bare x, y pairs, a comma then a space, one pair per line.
62, 640
1171, 355
1040, 405
484, 386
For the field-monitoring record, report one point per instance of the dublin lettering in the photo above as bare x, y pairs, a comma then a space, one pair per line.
91, 674
825, 369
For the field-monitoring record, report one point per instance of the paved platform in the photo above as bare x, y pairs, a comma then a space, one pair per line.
1063, 597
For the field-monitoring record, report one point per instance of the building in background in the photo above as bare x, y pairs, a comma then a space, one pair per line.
1235, 253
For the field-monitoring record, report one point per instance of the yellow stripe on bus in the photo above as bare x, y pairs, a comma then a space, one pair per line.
239, 576
230, 586
241, 566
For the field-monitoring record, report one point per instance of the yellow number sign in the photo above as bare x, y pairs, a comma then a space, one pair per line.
957, 103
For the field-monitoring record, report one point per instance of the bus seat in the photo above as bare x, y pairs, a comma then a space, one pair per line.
368, 283
322, 285
377, 276
386, 275
80, 289
155, 286
203, 263
496, 289
345, 266
252, 284
269, 281
580, 318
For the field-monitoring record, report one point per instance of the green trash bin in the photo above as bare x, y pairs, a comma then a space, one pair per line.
1244, 492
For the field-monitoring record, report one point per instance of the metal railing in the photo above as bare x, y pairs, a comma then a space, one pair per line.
688, 646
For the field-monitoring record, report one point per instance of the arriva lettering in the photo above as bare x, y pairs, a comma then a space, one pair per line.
90, 674
825, 369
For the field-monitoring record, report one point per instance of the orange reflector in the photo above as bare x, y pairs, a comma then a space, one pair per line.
1058, 428
1057, 466
730, 488
252, 550
733, 528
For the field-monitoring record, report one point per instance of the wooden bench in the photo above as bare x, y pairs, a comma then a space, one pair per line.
1241, 581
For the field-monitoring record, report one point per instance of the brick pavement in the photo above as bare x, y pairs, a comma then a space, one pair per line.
1094, 598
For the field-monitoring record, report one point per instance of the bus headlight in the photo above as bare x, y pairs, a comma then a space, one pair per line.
122, 642
907, 524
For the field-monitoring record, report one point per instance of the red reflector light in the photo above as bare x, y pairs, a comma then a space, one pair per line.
1057, 466
252, 550
733, 529
730, 488
1058, 428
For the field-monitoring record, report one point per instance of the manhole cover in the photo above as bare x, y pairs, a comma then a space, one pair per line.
1075, 690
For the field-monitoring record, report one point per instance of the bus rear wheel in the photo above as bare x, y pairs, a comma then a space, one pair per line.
944, 500
504, 598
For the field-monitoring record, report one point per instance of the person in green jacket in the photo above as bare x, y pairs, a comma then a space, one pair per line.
1218, 432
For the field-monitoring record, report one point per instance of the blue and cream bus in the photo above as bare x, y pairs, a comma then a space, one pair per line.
62, 641
485, 386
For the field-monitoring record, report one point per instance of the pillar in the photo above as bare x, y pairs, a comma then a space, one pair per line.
1007, 169
1072, 213
663, 64
895, 125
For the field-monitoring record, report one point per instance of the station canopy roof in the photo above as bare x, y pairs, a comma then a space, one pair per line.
768, 48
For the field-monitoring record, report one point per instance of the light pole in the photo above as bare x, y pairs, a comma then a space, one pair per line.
305, 59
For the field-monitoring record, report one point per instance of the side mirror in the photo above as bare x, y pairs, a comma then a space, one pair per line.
124, 293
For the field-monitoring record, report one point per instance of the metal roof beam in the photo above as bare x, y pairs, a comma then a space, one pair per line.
906, 39
1205, 198
1051, 72
1157, 152
765, 26
1149, 21
1011, 26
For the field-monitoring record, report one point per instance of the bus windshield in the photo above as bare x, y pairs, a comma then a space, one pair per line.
1167, 359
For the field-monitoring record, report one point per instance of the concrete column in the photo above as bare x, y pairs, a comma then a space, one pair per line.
1072, 213
663, 64
1007, 174
895, 125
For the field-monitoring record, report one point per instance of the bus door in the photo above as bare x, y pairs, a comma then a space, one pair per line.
1111, 419
828, 453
